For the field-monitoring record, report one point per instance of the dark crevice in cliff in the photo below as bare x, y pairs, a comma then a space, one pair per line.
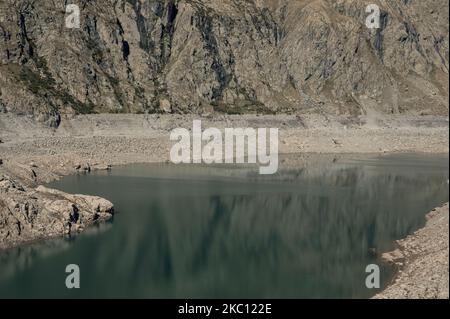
172, 12
145, 42
26, 49
266, 26
125, 50
379, 36
168, 30
204, 23
437, 44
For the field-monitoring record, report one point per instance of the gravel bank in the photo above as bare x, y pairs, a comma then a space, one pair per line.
422, 259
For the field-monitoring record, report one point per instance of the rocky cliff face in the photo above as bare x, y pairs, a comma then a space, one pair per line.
229, 55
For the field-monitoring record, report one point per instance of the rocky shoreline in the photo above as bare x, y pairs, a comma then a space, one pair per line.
28, 214
422, 259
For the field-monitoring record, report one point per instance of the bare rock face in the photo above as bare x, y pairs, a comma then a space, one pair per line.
30, 214
234, 55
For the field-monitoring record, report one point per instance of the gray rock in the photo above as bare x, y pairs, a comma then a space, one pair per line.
100, 167
28, 214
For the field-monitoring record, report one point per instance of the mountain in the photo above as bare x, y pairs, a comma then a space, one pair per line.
233, 56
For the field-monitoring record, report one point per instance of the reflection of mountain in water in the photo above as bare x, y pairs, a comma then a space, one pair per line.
22, 258
306, 236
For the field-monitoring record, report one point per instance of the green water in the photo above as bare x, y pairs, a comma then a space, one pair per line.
207, 232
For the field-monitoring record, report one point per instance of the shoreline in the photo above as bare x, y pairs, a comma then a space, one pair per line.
39, 155
421, 260
96, 141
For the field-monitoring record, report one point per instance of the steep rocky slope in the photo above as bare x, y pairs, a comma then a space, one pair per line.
229, 55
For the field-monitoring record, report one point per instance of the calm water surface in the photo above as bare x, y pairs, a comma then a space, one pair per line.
204, 232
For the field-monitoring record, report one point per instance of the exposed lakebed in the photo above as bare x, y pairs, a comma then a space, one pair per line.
204, 232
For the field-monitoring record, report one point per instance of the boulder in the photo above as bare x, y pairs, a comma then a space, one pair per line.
93, 204
28, 214
164, 105
393, 257
100, 167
